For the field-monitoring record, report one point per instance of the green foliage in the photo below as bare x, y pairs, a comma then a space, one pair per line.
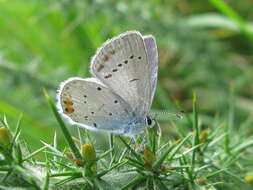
192, 162
42, 43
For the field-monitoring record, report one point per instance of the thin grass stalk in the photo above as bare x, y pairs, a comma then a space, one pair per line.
229, 126
63, 127
196, 129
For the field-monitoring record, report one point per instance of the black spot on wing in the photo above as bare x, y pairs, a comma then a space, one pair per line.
133, 80
108, 76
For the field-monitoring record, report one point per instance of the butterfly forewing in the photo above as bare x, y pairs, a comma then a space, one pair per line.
122, 65
89, 103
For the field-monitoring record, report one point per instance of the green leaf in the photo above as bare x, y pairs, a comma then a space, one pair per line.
188, 151
158, 184
17, 131
110, 169
46, 183
34, 153
161, 159
135, 181
103, 155
18, 153
177, 148
131, 150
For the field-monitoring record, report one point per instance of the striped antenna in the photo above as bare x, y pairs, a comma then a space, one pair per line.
164, 112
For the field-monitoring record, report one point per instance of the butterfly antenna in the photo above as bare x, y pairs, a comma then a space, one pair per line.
178, 115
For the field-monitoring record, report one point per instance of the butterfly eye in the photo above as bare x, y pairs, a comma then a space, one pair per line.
149, 120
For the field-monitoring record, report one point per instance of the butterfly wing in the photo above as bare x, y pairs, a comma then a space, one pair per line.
90, 104
152, 54
122, 65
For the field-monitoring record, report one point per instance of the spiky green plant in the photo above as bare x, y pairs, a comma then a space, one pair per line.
202, 44
202, 159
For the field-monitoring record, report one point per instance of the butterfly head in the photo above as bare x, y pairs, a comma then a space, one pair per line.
138, 125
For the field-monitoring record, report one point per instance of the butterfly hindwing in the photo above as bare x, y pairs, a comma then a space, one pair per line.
89, 103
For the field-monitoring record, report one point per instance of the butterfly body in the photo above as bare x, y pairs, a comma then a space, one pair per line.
119, 96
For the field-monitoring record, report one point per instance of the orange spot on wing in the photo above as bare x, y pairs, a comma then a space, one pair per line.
68, 102
69, 110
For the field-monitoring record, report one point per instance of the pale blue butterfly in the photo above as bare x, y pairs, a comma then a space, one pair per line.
119, 97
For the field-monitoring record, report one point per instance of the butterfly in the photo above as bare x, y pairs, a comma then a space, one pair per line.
119, 96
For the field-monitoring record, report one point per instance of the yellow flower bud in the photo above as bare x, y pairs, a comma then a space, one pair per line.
203, 136
5, 138
178, 141
249, 178
88, 153
168, 167
149, 157
201, 180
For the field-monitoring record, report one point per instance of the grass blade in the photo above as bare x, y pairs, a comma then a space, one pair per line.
196, 129
63, 127
225, 9
46, 183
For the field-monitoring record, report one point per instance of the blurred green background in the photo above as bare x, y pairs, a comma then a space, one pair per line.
203, 45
